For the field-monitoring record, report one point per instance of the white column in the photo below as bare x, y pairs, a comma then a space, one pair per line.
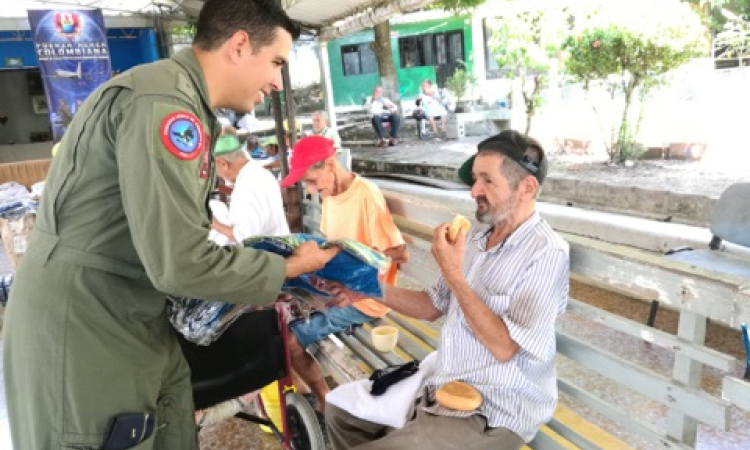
325, 80
479, 56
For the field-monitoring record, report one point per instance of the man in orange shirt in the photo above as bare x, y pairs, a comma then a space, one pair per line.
353, 208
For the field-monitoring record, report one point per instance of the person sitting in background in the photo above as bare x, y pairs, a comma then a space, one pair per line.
253, 147
226, 117
320, 128
248, 122
353, 208
383, 110
256, 207
271, 159
433, 106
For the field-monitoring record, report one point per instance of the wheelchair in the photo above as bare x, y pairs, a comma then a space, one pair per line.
249, 355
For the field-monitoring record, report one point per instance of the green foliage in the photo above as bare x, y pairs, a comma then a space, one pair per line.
183, 34
457, 5
523, 44
628, 52
600, 52
461, 82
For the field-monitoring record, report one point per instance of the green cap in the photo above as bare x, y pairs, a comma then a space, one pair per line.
227, 143
270, 141
512, 144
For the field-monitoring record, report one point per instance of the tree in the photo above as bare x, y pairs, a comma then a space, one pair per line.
458, 5
384, 53
626, 52
386, 66
523, 44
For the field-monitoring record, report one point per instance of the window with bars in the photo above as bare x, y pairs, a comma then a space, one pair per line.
432, 49
358, 59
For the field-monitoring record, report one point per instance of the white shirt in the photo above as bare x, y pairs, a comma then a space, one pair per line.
256, 207
248, 122
380, 106
525, 282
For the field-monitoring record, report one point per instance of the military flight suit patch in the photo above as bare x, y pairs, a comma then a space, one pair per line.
182, 135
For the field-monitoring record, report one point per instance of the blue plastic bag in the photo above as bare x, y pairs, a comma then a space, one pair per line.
357, 266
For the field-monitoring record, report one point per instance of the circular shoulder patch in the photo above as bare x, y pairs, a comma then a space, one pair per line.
182, 134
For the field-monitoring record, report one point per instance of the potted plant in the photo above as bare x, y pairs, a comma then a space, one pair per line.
461, 84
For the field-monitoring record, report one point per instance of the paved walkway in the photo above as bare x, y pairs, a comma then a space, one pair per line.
668, 190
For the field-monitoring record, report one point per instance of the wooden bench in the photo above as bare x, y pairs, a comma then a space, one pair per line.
351, 357
730, 222
695, 292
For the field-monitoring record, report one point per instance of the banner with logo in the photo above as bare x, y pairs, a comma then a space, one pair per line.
73, 55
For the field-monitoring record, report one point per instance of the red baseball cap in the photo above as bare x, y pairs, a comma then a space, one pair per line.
306, 152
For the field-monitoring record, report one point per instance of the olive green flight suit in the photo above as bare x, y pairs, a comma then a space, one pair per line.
123, 221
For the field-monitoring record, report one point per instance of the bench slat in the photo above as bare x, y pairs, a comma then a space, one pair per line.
416, 328
623, 420
547, 439
669, 341
338, 361
363, 336
693, 402
583, 433
362, 352
408, 346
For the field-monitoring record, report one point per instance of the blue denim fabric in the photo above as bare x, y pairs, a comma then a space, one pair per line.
323, 323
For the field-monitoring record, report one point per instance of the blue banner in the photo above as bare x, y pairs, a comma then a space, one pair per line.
71, 47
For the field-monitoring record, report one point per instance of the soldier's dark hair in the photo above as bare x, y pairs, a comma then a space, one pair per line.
220, 19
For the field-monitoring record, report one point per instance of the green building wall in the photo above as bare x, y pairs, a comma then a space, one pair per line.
354, 89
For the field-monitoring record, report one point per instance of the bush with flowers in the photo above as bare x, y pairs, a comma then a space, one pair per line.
626, 52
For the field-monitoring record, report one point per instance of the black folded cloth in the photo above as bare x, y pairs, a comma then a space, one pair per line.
382, 379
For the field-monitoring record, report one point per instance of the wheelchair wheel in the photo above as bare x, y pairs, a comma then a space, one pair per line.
303, 424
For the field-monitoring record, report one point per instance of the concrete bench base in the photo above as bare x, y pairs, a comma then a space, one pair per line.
497, 120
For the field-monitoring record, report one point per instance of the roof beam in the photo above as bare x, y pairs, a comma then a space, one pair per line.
369, 17
22, 24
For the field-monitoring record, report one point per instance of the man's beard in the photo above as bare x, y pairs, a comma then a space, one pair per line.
499, 216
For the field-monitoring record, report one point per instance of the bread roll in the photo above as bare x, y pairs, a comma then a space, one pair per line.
459, 396
459, 223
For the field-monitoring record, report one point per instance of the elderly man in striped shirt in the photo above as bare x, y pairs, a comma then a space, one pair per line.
500, 290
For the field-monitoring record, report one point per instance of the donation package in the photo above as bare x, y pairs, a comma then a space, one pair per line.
357, 267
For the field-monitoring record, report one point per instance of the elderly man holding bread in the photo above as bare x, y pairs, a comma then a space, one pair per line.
501, 287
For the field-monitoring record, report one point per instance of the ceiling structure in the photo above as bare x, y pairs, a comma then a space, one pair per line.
332, 18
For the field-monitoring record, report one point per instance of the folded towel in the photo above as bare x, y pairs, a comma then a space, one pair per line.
391, 408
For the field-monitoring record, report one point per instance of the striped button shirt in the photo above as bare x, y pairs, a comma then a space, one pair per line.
524, 281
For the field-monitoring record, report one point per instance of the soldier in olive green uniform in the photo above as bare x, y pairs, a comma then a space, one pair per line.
124, 221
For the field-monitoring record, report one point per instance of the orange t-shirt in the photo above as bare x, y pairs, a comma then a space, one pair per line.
360, 213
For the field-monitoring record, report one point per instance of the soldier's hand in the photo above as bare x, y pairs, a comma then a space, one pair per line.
307, 258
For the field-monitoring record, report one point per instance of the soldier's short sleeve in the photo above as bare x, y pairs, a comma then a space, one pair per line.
163, 153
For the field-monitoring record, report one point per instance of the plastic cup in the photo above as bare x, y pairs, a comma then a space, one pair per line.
384, 338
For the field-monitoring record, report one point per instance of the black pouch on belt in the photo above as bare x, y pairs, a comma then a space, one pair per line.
384, 378
128, 430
